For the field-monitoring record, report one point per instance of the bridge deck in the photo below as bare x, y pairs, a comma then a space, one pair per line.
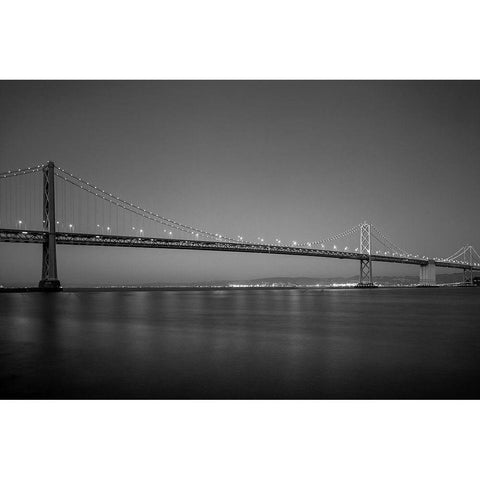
64, 238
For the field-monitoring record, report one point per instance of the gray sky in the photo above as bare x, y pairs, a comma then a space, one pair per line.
291, 160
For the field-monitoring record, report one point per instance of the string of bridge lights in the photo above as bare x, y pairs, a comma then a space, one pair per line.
110, 197
152, 216
462, 253
389, 242
135, 209
141, 211
125, 207
322, 243
383, 240
21, 171
198, 232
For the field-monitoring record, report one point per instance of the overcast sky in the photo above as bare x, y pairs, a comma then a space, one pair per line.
291, 160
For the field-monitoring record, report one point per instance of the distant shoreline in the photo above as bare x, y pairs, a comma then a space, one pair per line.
151, 289
207, 288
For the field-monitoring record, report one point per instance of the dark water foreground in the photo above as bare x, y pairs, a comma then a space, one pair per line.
384, 343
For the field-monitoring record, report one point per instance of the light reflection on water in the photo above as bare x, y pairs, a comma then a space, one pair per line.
392, 343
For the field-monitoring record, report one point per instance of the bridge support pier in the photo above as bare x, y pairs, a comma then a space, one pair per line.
365, 280
428, 276
49, 280
468, 276
366, 275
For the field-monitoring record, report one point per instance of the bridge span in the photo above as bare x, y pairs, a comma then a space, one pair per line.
52, 233
66, 238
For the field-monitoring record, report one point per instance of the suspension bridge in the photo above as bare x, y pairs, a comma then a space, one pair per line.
47, 205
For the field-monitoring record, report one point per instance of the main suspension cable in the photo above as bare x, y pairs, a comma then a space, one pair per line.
141, 211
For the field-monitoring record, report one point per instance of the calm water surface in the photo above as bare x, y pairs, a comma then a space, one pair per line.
392, 343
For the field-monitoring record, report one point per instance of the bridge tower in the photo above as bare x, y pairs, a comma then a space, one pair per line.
365, 279
49, 279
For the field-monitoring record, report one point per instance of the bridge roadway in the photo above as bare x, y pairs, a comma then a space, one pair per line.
66, 238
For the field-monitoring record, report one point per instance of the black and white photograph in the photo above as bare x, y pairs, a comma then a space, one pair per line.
216, 264
240, 239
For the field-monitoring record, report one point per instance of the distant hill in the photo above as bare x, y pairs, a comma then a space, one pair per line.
287, 281
385, 280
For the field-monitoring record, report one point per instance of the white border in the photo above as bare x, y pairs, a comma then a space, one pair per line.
239, 440
237, 40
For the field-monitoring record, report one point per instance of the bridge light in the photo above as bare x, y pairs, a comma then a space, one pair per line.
294, 243
334, 247
346, 248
